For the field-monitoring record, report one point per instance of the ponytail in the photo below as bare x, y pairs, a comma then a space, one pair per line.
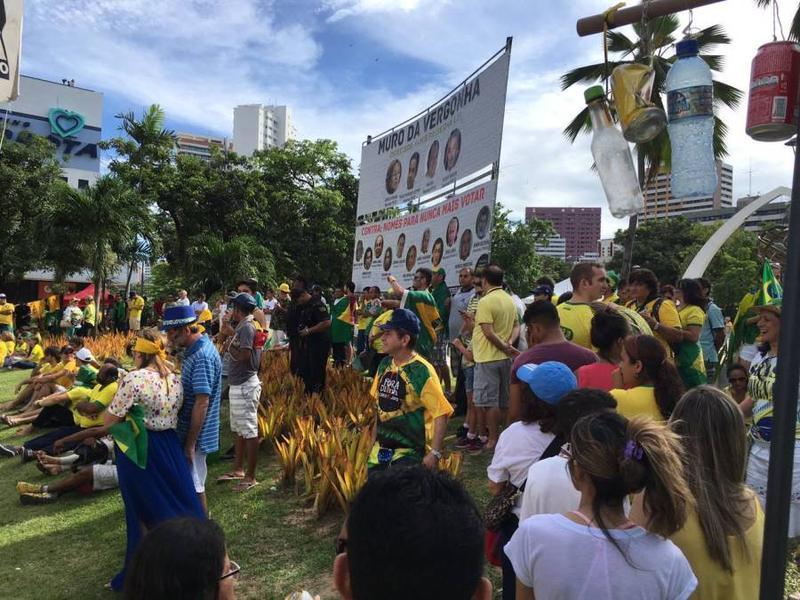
658, 370
624, 457
652, 461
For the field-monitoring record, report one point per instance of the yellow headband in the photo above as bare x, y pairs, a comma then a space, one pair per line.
147, 347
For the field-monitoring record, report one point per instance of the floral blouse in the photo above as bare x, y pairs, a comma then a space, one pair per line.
160, 399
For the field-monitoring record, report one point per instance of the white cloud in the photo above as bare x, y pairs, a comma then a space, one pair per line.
342, 9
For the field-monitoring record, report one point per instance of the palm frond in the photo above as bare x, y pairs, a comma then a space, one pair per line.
715, 62
581, 123
588, 74
727, 94
763, 3
720, 133
711, 36
794, 31
620, 43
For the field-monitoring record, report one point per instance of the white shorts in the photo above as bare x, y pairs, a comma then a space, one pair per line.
244, 407
104, 477
134, 323
199, 471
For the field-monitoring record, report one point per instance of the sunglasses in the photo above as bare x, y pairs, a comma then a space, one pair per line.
340, 545
234, 571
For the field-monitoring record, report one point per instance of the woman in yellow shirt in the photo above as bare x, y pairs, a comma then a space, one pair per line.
648, 384
723, 535
692, 312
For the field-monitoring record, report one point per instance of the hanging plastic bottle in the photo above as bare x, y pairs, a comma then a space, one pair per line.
690, 111
612, 157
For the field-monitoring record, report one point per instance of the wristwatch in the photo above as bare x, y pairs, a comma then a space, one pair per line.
437, 454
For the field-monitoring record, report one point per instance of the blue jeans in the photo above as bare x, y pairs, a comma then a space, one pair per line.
361, 341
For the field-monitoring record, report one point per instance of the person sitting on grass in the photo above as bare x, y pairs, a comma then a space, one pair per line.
88, 479
58, 379
24, 391
85, 410
412, 533
28, 356
182, 559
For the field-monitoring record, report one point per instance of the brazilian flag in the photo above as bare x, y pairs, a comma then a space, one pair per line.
744, 332
131, 436
341, 321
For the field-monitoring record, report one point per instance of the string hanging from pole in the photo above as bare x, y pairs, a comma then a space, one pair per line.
776, 17
608, 17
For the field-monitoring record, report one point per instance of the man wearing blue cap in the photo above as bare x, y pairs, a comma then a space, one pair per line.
244, 353
412, 409
201, 378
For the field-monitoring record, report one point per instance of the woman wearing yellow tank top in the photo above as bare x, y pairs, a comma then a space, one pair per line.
723, 534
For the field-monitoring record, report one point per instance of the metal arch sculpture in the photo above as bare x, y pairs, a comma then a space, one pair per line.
703, 258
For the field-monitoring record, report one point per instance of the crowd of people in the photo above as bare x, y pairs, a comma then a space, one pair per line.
625, 461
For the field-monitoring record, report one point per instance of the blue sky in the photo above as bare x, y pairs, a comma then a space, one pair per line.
350, 68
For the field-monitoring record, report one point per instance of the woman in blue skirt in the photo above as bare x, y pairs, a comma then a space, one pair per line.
154, 477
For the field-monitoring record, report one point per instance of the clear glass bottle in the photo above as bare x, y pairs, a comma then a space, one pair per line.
612, 158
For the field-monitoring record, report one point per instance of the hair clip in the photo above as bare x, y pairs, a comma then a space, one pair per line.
634, 450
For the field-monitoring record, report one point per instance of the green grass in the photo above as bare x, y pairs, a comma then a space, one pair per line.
71, 548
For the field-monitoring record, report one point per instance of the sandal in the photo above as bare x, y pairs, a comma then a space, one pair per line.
231, 476
244, 486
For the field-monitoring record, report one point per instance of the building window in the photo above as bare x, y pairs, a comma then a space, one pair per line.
83, 184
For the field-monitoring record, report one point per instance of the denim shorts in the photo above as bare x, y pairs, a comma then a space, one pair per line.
469, 379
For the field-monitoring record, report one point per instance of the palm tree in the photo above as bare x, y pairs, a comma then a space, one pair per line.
652, 43
794, 30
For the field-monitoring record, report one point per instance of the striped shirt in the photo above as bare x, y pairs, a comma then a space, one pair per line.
201, 374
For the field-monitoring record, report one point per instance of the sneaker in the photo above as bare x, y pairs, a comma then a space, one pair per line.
28, 488
475, 446
462, 432
8, 450
27, 455
463, 443
39, 498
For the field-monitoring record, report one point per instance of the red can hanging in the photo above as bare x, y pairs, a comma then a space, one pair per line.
773, 103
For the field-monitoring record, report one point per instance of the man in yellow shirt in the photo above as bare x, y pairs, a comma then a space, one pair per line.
6, 314
496, 331
89, 318
660, 314
589, 281
135, 308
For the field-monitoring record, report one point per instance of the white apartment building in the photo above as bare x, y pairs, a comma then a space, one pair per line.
199, 146
556, 247
259, 126
659, 203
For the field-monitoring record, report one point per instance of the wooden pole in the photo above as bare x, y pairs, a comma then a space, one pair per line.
627, 16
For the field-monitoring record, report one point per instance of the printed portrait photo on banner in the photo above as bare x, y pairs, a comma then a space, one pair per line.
452, 150
379, 246
393, 176
437, 252
368, 259
483, 261
433, 159
465, 247
401, 245
413, 167
359, 250
452, 232
482, 223
411, 258
387, 260
426, 241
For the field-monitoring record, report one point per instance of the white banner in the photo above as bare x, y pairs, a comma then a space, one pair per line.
452, 139
10, 48
453, 234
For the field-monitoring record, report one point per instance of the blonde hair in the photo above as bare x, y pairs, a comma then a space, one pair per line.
623, 457
712, 431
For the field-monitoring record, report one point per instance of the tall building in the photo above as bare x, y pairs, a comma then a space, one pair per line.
659, 203
258, 127
606, 249
580, 227
70, 117
200, 146
556, 247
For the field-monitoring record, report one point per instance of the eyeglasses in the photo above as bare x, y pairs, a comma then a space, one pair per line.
340, 545
566, 451
234, 571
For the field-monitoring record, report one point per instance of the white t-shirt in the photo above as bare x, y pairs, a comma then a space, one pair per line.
560, 559
549, 489
520, 445
181, 302
199, 307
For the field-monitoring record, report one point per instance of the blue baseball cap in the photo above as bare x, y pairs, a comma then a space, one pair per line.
244, 300
404, 319
549, 381
178, 316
